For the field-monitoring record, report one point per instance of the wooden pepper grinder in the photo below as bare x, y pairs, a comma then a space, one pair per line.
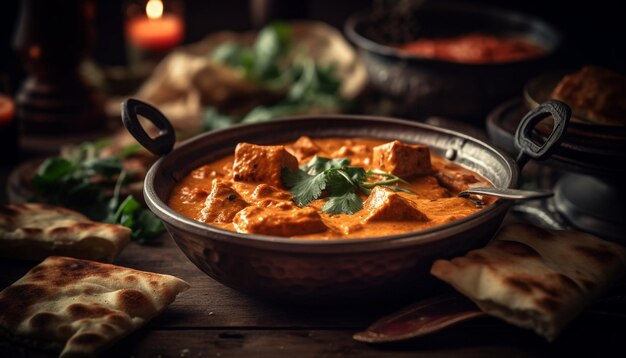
53, 39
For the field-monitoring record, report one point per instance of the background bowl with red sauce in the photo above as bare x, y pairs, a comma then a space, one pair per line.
457, 60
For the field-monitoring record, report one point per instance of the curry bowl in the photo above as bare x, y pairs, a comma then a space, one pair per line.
422, 86
320, 270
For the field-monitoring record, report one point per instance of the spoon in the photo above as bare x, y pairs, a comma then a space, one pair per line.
511, 194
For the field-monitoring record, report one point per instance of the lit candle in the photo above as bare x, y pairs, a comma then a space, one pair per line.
156, 31
7, 110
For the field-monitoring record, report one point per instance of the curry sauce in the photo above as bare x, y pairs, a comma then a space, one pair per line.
474, 48
243, 192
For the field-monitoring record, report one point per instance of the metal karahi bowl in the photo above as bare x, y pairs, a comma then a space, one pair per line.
422, 87
320, 270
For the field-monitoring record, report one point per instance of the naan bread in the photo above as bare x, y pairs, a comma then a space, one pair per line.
36, 231
80, 307
535, 278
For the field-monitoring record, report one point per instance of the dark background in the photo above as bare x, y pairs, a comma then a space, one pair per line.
595, 31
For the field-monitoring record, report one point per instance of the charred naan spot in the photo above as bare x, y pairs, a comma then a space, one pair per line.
554, 285
84, 225
565, 281
589, 285
48, 207
119, 320
478, 258
601, 254
117, 229
107, 328
154, 283
37, 269
71, 270
133, 301
89, 291
516, 248
549, 304
88, 339
32, 230
130, 278
17, 300
8, 211
520, 284
64, 330
59, 231
39, 277
79, 310
43, 320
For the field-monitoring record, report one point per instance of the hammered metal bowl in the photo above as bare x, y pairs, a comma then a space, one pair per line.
321, 270
421, 87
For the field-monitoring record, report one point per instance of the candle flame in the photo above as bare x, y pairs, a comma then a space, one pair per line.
154, 9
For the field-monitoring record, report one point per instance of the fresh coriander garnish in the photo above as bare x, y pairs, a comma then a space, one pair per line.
276, 63
81, 180
336, 180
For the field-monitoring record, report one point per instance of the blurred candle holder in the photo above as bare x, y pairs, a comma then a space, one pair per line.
53, 39
152, 28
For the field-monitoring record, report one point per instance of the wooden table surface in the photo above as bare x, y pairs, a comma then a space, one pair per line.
212, 320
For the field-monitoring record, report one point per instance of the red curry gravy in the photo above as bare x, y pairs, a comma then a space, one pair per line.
222, 195
474, 48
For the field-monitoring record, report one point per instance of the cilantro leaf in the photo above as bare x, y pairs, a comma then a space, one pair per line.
340, 182
52, 170
106, 167
129, 150
270, 44
144, 225
348, 203
337, 183
278, 63
357, 174
80, 180
318, 165
304, 187
148, 227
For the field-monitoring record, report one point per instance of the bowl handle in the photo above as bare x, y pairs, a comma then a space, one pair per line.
163, 143
523, 136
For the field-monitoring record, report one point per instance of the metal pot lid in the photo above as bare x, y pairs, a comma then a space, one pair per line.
593, 205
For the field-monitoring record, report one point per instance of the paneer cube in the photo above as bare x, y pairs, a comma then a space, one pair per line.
456, 181
264, 191
222, 204
262, 164
268, 196
303, 148
401, 159
278, 222
386, 205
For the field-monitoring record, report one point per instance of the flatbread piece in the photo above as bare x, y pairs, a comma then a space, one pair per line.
80, 307
535, 278
36, 231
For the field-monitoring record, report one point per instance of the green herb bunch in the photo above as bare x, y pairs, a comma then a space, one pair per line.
267, 63
338, 181
82, 180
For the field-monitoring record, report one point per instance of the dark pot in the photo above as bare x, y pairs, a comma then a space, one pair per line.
317, 270
422, 87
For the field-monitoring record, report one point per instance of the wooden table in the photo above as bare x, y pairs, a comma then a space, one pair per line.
212, 320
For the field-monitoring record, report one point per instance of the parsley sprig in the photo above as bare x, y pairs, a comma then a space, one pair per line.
337, 180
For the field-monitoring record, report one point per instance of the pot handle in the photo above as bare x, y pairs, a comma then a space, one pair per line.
523, 136
163, 143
